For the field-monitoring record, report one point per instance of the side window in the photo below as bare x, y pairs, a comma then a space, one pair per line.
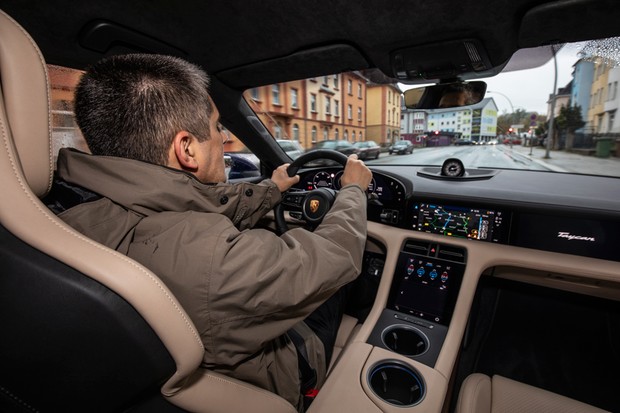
65, 132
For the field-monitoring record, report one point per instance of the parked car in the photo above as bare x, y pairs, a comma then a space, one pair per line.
342, 146
367, 149
241, 165
476, 274
291, 147
401, 147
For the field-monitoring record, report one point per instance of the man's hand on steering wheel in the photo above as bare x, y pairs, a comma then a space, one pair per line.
281, 178
356, 172
314, 205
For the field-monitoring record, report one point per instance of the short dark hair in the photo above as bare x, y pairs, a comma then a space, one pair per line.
133, 105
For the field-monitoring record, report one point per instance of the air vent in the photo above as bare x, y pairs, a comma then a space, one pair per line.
416, 247
451, 253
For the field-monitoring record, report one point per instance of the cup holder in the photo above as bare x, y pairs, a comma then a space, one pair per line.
405, 340
396, 383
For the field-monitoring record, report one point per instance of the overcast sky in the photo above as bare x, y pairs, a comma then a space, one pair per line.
530, 89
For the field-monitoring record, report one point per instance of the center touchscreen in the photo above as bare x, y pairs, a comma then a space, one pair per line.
426, 287
463, 222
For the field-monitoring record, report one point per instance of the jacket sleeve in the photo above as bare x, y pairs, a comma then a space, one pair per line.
246, 203
262, 284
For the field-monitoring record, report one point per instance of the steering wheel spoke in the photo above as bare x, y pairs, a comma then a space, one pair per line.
293, 200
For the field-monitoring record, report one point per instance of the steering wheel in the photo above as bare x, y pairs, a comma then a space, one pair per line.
313, 205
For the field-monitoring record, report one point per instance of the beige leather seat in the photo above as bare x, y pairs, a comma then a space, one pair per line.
482, 394
44, 363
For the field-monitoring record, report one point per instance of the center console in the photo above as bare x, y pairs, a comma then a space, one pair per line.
423, 294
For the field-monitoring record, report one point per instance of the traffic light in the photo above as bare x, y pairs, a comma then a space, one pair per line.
509, 130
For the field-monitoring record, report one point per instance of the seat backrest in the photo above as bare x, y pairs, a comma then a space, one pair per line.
483, 394
83, 325
84, 328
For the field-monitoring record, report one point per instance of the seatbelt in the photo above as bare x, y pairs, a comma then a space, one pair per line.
307, 375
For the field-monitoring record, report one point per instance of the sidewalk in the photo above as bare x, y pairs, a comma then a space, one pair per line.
562, 161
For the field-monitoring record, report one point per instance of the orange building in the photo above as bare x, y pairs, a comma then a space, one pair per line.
328, 107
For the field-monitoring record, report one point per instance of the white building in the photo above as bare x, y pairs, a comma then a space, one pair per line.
476, 122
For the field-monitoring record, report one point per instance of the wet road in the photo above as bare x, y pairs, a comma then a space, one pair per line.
474, 156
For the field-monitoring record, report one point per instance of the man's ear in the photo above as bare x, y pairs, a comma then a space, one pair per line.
182, 151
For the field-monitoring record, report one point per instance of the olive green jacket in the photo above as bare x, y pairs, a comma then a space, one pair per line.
243, 288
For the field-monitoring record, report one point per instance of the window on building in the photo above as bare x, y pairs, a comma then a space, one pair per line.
350, 87
349, 112
335, 81
336, 134
294, 102
610, 124
314, 134
359, 114
325, 134
254, 93
296, 132
359, 90
389, 96
336, 107
328, 105
346, 135
278, 131
326, 80
275, 92
313, 102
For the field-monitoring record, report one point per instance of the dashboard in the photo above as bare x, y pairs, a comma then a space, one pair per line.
521, 208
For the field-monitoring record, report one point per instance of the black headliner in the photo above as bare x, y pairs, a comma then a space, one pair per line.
226, 36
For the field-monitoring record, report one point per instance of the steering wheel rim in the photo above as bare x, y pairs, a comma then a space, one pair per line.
281, 226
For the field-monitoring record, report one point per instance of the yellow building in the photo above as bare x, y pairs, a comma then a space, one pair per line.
383, 113
596, 112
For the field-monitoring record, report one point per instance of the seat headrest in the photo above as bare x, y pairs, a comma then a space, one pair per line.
25, 101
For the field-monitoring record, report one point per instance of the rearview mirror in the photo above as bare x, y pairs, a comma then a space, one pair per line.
445, 95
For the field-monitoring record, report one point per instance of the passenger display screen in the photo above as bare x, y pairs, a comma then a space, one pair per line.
462, 222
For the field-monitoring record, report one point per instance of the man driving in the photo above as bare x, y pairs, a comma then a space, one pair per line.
155, 189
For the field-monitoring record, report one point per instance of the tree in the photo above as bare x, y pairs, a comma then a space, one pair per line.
569, 120
518, 117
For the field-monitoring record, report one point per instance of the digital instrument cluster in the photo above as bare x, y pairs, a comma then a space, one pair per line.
384, 187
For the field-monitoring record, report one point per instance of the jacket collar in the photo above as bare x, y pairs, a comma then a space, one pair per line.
147, 188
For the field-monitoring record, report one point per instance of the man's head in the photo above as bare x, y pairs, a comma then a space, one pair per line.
151, 108
459, 94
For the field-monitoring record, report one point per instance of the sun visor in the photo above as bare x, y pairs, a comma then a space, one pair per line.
569, 21
320, 61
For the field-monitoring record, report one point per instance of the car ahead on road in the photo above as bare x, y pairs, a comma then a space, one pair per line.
475, 274
460, 142
401, 147
367, 149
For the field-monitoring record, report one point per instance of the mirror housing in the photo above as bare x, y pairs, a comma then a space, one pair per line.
445, 95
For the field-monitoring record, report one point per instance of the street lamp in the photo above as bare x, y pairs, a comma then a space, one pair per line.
512, 108
552, 114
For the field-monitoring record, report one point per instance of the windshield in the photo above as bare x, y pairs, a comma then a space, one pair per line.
523, 122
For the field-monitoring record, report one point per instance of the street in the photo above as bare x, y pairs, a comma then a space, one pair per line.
504, 156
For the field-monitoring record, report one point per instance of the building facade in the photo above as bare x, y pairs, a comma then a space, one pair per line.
322, 108
383, 113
